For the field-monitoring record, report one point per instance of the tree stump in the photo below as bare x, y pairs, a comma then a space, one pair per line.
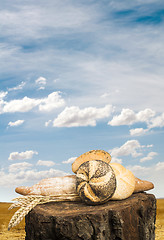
129, 219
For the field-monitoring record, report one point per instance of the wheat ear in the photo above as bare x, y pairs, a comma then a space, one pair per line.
26, 203
22, 212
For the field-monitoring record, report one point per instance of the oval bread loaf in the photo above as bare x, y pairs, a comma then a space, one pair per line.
95, 182
51, 187
125, 181
91, 155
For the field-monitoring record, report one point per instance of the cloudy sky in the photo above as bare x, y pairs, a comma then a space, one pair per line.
76, 76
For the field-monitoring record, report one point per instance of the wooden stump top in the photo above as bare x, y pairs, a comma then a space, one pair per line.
74, 208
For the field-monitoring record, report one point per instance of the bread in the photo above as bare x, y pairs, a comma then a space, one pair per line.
142, 185
96, 182
51, 187
91, 155
125, 182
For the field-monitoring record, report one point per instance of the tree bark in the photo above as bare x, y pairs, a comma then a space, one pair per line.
129, 219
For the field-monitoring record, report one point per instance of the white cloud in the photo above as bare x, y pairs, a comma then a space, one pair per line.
75, 117
37, 175
105, 95
45, 163
19, 87
41, 88
48, 123
128, 148
1, 106
53, 101
20, 105
139, 170
157, 121
3, 94
145, 115
41, 81
2, 102
20, 177
147, 171
159, 166
138, 131
19, 166
116, 160
129, 117
70, 160
16, 123
109, 94
150, 156
149, 145
22, 155
31, 21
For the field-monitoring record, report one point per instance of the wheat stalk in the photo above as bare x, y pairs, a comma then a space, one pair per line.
22, 211
26, 203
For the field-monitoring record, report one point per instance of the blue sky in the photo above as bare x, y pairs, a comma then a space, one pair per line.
77, 76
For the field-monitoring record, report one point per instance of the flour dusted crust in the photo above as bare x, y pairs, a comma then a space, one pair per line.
96, 182
125, 181
91, 155
51, 186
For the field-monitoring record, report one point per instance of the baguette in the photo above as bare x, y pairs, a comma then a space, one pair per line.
51, 186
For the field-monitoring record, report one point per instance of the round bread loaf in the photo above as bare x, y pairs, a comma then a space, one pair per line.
125, 182
89, 156
95, 182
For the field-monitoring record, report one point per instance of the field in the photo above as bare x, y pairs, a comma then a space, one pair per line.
18, 232
160, 220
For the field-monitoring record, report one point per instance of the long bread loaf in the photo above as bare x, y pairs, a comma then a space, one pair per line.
51, 186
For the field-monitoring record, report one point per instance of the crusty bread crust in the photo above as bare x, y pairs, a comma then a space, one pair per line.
126, 179
91, 155
142, 185
51, 187
96, 182
125, 182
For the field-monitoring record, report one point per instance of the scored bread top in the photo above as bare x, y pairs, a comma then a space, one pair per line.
95, 182
91, 155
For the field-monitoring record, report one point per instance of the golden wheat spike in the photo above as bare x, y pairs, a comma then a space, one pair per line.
14, 205
26, 203
22, 212
22, 201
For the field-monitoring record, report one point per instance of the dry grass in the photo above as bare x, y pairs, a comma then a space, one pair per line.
18, 232
160, 220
